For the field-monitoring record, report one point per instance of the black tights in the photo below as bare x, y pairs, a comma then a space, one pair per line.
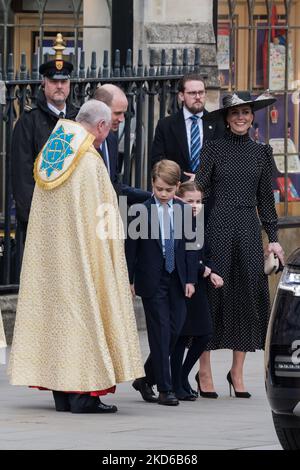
180, 372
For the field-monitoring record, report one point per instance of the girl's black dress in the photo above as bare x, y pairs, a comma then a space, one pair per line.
198, 319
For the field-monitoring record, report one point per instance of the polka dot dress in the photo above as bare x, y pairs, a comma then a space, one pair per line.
237, 173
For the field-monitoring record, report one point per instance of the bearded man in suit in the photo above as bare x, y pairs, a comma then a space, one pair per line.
180, 137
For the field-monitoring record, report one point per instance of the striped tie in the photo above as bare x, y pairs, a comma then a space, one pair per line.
195, 143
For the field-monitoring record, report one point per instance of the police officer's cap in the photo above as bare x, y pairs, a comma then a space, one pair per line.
56, 69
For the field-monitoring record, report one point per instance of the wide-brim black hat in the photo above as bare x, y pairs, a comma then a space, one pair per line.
239, 99
57, 69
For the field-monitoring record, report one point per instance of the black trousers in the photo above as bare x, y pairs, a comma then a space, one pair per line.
165, 316
75, 402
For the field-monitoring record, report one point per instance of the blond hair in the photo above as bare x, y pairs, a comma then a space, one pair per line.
168, 171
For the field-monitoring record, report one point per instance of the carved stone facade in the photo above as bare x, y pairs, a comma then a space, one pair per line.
169, 24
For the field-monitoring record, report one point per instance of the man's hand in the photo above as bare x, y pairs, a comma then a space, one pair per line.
190, 175
189, 290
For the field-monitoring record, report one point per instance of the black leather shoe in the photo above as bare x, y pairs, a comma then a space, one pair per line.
85, 403
188, 389
102, 408
145, 390
167, 398
182, 395
185, 397
61, 400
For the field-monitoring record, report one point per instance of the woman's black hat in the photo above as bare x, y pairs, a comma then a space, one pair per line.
239, 99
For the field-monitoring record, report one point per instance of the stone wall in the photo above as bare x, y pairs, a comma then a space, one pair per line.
169, 24
8, 305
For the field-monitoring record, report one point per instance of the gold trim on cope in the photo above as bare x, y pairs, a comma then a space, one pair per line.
48, 185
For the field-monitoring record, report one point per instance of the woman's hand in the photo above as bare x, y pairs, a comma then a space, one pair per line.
276, 248
216, 280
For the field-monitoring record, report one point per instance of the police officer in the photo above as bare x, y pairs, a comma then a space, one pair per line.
36, 124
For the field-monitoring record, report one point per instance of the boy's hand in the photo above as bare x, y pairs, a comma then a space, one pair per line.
207, 272
216, 280
189, 290
132, 290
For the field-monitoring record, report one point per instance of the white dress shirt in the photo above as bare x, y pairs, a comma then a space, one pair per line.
57, 111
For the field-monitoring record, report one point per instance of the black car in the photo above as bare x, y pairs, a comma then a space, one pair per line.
282, 356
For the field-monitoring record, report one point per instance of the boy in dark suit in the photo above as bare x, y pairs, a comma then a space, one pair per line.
163, 272
198, 327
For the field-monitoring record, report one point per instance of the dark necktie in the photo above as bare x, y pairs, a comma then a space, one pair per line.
195, 143
169, 240
61, 115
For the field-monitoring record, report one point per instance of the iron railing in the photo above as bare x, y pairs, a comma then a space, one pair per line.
151, 91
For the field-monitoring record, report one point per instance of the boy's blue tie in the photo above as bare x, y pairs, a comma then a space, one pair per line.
169, 241
195, 143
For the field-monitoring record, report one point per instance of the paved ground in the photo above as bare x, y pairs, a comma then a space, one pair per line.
29, 421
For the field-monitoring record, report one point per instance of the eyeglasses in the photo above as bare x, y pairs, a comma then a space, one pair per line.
193, 94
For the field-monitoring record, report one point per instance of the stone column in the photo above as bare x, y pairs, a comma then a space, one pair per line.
99, 38
169, 24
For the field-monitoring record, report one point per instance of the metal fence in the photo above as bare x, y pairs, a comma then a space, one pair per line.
151, 91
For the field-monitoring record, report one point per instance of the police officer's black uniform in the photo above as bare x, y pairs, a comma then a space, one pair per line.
30, 134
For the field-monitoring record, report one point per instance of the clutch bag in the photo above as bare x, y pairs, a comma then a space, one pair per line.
271, 264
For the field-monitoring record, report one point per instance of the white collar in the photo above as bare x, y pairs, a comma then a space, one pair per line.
159, 204
187, 114
55, 110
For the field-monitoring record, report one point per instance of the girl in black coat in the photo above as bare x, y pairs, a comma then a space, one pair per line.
197, 330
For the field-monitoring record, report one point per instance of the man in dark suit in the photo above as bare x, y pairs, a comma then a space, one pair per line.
180, 137
116, 99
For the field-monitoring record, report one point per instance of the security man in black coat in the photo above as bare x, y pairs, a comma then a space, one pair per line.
35, 126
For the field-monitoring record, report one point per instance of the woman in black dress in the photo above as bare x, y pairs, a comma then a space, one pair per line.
197, 330
237, 173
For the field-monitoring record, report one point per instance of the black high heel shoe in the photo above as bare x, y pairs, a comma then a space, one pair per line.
204, 394
237, 394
